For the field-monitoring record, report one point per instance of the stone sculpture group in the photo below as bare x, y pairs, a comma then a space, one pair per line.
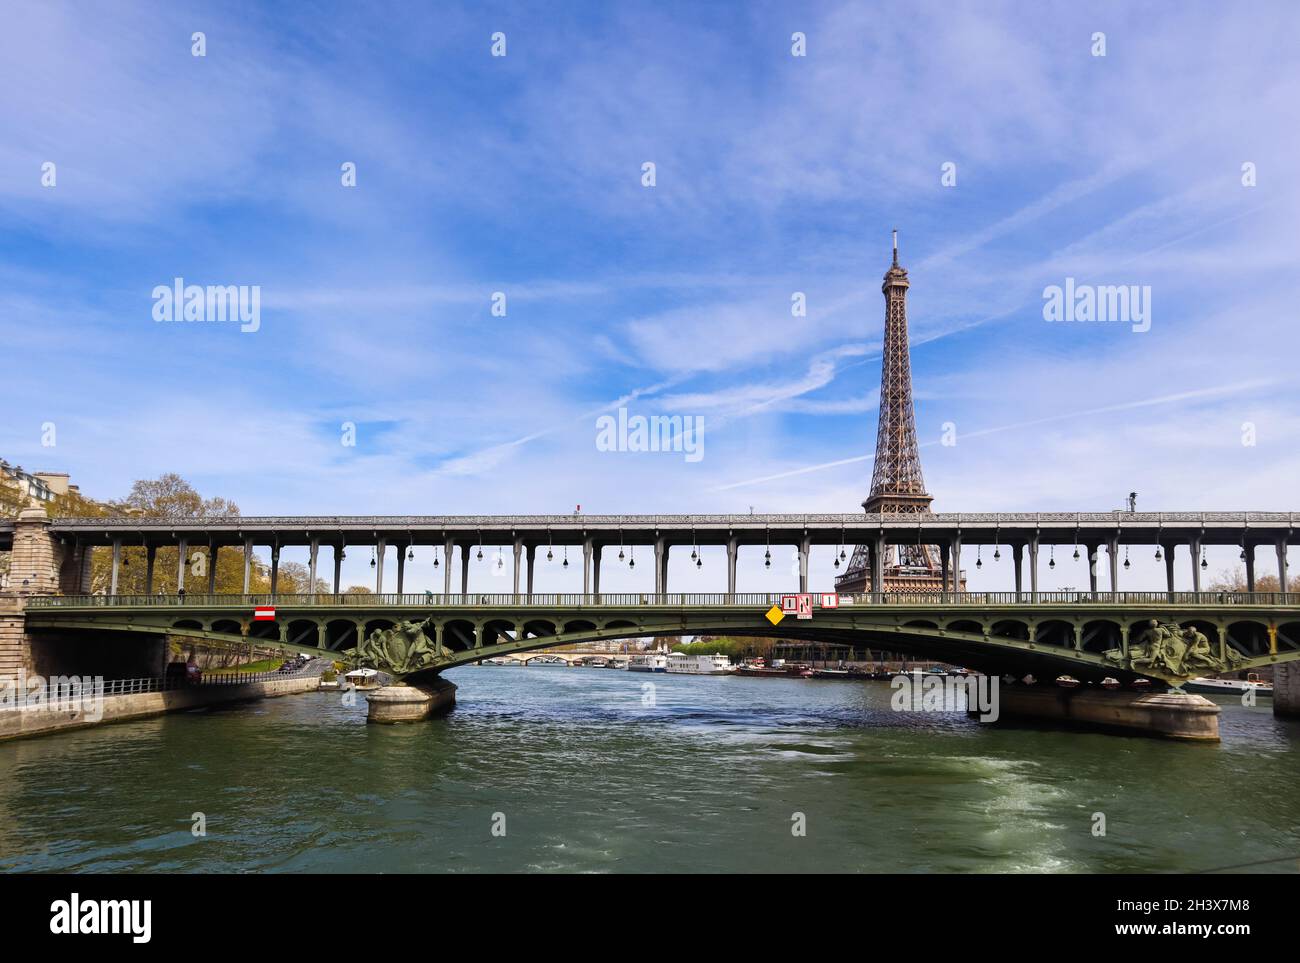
399, 651
1168, 649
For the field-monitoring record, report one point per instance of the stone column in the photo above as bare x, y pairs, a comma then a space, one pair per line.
530, 556
86, 575
338, 568
401, 570
586, 566
36, 557
1169, 568
1283, 582
275, 569
464, 570
1112, 551
117, 564
1092, 567
380, 550
663, 577
945, 553
805, 547
248, 563
1196, 565
595, 568
213, 548
733, 550
1018, 562
313, 550
878, 565
1033, 569
956, 565
448, 546
1249, 550
519, 551
659, 566
182, 549
150, 556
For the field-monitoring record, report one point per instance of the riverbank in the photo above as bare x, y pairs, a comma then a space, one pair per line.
25, 723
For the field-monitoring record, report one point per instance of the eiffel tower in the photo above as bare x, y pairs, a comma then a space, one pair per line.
897, 486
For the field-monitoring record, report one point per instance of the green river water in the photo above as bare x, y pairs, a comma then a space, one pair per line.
582, 775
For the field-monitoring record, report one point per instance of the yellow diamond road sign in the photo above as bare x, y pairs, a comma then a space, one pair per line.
775, 615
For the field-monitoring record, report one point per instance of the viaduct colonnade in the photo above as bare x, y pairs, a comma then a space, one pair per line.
55, 555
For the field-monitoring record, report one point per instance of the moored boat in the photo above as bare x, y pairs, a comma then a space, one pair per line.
1210, 686
650, 662
716, 664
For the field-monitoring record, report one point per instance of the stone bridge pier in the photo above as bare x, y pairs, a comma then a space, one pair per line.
1286, 689
41, 563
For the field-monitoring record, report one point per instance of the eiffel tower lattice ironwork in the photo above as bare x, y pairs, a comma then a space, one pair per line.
897, 485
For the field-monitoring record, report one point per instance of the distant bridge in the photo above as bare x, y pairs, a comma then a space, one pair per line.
1044, 633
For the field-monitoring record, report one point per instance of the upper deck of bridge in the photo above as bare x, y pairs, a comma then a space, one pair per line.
1208, 528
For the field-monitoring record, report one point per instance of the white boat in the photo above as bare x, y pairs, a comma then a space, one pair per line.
1228, 686
716, 664
650, 662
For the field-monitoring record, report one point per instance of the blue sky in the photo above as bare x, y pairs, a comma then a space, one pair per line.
775, 174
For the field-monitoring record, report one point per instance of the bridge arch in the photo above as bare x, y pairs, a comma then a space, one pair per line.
1247, 636
340, 634
265, 631
303, 631
1010, 629
497, 631
229, 626
1058, 632
966, 625
1101, 635
188, 624
1288, 636
539, 628
458, 635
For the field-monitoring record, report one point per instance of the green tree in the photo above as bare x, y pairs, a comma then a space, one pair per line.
168, 496
12, 500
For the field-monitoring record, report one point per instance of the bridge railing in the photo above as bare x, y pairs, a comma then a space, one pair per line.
427, 600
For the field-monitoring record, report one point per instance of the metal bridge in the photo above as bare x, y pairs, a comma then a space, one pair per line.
1089, 635
1169, 534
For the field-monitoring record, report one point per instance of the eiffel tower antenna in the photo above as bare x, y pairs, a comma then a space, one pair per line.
897, 485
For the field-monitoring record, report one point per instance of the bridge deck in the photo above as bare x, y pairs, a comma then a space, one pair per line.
625, 600
1059, 528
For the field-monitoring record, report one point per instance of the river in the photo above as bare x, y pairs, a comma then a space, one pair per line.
557, 769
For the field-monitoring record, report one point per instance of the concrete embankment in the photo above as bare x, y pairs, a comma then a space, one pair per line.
20, 723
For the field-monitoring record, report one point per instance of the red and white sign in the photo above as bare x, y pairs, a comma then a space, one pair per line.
789, 604
264, 613
830, 600
805, 607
